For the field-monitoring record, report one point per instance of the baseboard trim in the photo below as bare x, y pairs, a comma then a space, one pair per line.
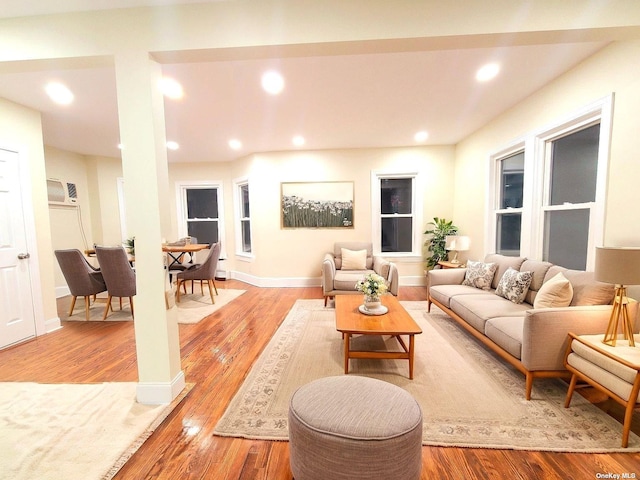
149, 393
291, 282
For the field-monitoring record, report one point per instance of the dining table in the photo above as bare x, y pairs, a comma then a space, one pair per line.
174, 252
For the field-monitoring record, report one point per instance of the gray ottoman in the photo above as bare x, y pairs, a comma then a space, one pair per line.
350, 427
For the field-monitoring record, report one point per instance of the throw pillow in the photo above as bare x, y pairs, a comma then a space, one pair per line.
354, 259
514, 285
479, 274
555, 292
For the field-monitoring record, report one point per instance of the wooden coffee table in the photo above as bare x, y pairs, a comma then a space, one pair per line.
395, 322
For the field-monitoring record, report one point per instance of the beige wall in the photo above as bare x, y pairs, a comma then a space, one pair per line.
21, 131
612, 70
293, 256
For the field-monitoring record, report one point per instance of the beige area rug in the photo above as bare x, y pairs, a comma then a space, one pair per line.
191, 309
73, 431
468, 396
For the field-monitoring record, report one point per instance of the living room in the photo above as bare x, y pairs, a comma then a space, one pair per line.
454, 178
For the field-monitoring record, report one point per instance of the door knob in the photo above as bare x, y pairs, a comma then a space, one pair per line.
23, 256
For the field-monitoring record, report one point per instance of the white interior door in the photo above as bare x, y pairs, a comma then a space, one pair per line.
17, 319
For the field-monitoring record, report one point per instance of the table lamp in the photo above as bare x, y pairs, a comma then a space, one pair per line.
620, 266
457, 243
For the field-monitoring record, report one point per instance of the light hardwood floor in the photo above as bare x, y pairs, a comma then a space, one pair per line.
216, 356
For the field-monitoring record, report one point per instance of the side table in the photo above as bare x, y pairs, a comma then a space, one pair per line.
446, 264
614, 371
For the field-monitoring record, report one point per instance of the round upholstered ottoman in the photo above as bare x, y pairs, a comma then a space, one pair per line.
350, 427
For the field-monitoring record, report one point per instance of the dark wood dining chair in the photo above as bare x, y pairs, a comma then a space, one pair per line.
118, 275
205, 271
83, 279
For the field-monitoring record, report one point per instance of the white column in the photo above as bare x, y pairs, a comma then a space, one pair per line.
144, 165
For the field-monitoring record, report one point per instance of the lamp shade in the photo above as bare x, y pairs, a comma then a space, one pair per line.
459, 243
618, 265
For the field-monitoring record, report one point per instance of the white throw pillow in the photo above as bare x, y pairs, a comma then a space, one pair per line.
514, 285
555, 292
354, 259
479, 275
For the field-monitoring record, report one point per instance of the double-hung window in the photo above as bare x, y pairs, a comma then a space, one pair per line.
508, 214
243, 216
395, 198
200, 211
548, 193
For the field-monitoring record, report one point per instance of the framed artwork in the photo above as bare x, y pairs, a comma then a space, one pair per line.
317, 204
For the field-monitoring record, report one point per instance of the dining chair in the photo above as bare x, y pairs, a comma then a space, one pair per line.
118, 275
206, 271
83, 279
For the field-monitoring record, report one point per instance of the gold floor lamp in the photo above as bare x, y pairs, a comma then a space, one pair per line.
620, 266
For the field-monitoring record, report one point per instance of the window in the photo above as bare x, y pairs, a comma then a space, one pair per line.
570, 180
243, 214
548, 192
510, 200
395, 213
200, 212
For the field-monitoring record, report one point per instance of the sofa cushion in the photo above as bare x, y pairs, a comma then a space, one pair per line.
506, 332
586, 291
479, 274
347, 279
354, 259
477, 309
556, 292
539, 270
514, 285
444, 293
503, 263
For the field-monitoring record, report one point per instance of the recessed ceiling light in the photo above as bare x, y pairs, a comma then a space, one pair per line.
421, 136
235, 144
488, 72
272, 82
171, 88
171, 145
59, 93
298, 140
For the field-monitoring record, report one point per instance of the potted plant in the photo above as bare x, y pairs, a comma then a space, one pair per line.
130, 245
436, 243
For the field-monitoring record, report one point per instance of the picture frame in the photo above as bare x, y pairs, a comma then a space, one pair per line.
317, 204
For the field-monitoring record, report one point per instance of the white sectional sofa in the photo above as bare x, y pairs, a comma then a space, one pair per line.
531, 334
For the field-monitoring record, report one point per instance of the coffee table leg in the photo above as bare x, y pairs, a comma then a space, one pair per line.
411, 350
347, 337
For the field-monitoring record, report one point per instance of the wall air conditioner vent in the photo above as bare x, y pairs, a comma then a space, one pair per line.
61, 193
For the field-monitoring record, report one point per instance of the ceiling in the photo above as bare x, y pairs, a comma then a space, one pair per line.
335, 101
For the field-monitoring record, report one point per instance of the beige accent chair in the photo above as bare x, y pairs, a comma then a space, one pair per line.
338, 281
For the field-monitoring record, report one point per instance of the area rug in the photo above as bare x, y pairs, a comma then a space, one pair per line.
88, 431
469, 397
191, 309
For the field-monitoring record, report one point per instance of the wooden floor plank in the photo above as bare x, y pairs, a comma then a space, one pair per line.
217, 354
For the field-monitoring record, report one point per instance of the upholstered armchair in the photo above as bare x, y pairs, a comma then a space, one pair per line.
118, 275
83, 279
349, 262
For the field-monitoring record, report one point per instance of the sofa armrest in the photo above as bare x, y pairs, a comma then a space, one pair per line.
388, 271
445, 276
328, 273
545, 332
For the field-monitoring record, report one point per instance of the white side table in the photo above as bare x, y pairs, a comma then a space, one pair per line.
615, 371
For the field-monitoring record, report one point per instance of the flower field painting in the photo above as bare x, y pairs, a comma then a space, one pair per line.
317, 204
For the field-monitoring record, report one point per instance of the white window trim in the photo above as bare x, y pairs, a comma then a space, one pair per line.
237, 200
181, 207
535, 184
416, 208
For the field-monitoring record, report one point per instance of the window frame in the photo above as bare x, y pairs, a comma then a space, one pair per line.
238, 184
537, 180
181, 207
416, 212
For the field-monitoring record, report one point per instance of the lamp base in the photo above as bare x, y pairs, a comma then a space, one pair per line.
619, 314
455, 257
